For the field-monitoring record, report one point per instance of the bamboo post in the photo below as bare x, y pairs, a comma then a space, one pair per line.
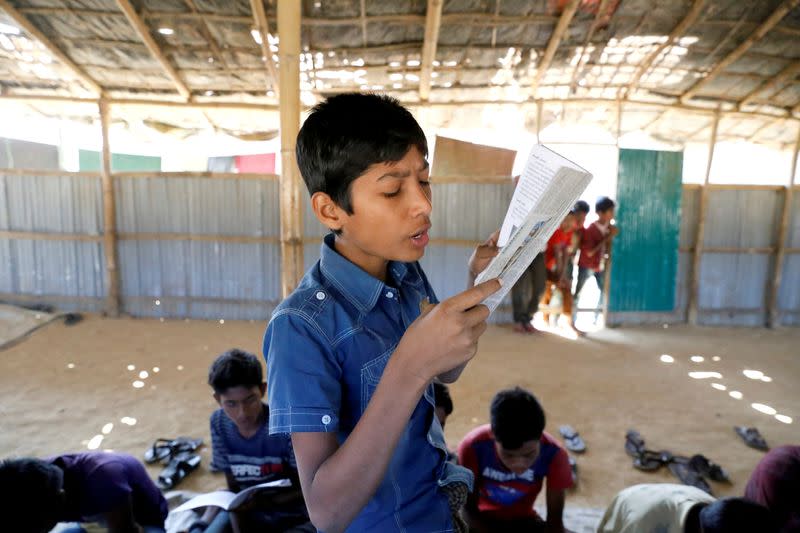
694, 289
109, 217
539, 110
289, 97
774, 318
607, 274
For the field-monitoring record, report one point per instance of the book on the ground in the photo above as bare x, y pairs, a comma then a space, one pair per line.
230, 501
546, 191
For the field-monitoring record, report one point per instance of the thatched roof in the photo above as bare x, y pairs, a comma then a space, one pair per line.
727, 54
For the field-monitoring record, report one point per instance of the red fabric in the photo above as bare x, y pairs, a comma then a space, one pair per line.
477, 452
259, 164
775, 484
559, 240
592, 236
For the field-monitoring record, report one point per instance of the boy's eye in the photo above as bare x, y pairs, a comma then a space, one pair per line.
392, 194
425, 183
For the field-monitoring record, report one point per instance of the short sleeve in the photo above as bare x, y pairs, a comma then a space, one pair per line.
219, 446
559, 475
303, 376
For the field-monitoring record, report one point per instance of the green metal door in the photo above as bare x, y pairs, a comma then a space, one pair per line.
645, 254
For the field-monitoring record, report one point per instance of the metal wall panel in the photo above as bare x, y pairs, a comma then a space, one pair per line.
199, 279
742, 218
789, 293
52, 267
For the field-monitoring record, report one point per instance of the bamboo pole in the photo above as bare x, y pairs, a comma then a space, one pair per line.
552, 45
55, 51
433, 20
774, 18
783, 230
109, 218
539, 113
608, 264
785, 75
262, 27
291, 215
694, 287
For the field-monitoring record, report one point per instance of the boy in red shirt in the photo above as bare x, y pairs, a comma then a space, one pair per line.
510, 459
594, 246
557, 256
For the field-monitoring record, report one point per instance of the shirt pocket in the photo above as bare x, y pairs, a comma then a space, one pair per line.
371, 373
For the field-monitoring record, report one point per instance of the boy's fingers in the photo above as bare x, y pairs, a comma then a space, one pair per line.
476, 315
492, 240
473, 296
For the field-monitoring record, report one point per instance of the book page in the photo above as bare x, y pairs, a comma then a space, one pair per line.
546, 192
229, 500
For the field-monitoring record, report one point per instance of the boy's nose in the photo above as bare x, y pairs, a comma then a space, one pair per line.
421, 201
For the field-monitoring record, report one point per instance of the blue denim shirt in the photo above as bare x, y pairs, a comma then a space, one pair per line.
326, 348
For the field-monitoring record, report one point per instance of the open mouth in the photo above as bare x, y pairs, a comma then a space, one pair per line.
421, 238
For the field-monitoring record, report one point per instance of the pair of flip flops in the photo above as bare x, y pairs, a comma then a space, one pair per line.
691, 471
752, 437
179, 456
572, 439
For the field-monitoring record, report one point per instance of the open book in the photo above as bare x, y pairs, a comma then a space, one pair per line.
230, 501
547, 189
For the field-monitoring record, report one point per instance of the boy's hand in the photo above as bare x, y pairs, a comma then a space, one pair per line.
483, 255
446, 335
612, 231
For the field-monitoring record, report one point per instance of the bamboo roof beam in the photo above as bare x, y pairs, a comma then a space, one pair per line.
739, 51
555, 39
678, 31
262, 27
785, 75
144, 33
56, 52
579, 65
433, 21
364, 22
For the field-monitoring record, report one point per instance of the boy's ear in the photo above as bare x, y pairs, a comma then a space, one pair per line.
263, 389
327, 211
216, 397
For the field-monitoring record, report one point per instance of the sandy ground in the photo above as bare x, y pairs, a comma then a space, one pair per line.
61, 386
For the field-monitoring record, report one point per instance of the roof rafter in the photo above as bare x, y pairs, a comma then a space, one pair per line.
433, 20
262, 27
152, 46
739, 51
555, 39
56, 52
678, 31
579, 65
785, 75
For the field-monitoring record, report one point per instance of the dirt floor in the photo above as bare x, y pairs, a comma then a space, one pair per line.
65, 385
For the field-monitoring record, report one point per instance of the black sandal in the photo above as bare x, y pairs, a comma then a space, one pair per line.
180, 466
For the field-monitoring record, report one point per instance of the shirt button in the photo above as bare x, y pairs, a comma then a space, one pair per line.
326, 419
390, 294
320, 295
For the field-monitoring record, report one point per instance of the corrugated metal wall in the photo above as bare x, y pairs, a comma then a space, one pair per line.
70, 273
207, 278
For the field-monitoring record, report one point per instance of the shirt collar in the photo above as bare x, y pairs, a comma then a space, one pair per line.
355, 284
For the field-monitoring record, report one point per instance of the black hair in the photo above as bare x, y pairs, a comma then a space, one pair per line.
31, 498
516, 417
441, 395
235, 368
581, 207
736, 515
348, 133
604, 203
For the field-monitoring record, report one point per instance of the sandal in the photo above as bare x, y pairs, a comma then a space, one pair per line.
708, 469
163, 449
572, 439
634, 443
180, 466
752, 437
648, 460
687, 476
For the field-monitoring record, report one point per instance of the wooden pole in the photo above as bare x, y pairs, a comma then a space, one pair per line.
607, 274
694, 288
783, 230
539, 113
109, 218
552, 44
433, 19
262, 27
291, 219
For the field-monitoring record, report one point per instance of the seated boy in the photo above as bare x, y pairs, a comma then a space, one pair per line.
670, 508
352, 352
442, 401
594, 245
243, 448
775, 484
510, 458
557, 256
112, 489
